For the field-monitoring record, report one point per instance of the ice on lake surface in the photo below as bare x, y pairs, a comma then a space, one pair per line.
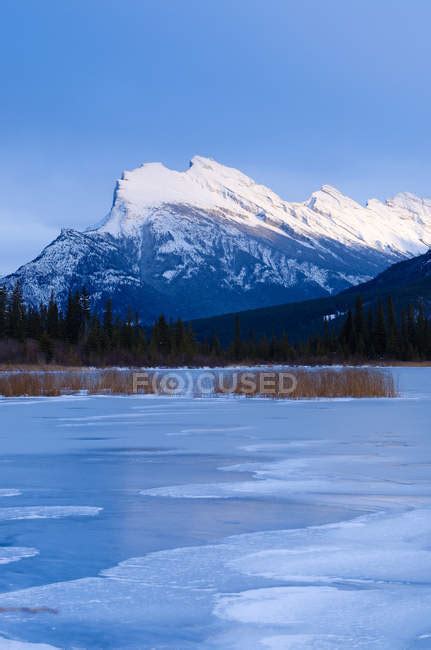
176, 523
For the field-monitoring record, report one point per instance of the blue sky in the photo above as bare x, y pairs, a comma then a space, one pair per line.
296, 94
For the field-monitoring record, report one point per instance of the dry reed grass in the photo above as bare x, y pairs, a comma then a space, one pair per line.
301, 383
312, 383
53, 384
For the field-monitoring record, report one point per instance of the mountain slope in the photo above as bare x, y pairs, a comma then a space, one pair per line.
210, 240
413, 275
408, 282
76, 259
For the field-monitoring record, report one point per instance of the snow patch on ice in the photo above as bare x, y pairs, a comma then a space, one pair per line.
342, 552
326, 475
387, 619
9, 492
47, 512
15, 553
10, 644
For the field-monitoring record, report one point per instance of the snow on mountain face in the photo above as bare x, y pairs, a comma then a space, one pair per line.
401, 225
210, 240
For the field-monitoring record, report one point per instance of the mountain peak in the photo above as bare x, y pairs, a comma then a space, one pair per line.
202, 161
206, 184
330, 189
217, 172
328, 199
405, 200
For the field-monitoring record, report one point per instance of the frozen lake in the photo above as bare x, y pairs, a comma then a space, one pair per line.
174, 523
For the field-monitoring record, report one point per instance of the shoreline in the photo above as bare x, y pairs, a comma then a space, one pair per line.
47, 368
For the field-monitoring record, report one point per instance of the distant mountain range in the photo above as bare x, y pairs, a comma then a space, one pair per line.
210, 240
407, 282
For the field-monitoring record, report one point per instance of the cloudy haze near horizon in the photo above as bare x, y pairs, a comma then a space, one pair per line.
295, 96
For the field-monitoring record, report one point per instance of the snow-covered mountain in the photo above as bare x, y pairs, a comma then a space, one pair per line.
210, 240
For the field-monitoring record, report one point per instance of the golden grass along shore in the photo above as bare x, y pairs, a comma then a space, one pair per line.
293, 383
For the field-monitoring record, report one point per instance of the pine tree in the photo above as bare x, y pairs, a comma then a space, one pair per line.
46, 347
380, 334
94, 344
85, 312
237, 341
73, 318
16, 314
369, 331
348, 335
179, 338
274, 350
191, 346
392, 329
263, 349
34, 326
359, 319
422, 332
127, 331
108, 325
286, 352
215, 347
160, 339
406, 347
411, 330
53, 321
3, 312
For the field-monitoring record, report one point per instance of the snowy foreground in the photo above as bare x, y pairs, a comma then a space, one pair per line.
231, 523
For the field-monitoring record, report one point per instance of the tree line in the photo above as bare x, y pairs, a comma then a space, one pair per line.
80, 335
378, 332
359, 334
